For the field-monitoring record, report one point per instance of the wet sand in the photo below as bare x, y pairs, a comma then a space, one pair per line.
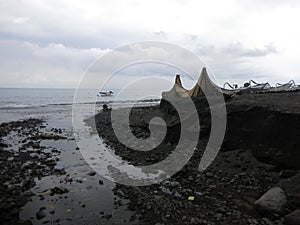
45, 180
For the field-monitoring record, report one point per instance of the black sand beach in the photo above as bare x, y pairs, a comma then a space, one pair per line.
259, 154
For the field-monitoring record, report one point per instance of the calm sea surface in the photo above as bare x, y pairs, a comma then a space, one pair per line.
24, 103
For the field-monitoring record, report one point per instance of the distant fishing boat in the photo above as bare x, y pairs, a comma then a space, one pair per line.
105, 94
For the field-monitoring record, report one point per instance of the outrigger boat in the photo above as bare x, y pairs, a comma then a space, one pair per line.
204, 81
249, 86
263, 87
105, 94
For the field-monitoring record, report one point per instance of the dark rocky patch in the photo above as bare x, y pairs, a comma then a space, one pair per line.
20, 168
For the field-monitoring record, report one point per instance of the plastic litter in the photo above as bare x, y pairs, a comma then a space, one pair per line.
191, 198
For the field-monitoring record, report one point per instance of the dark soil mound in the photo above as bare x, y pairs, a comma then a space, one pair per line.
268, 124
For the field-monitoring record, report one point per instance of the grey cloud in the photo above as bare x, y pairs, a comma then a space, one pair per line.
56, 23
53, 42
54, 65
258, 4
237, 49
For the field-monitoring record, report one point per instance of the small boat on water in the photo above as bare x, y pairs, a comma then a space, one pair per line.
105, 94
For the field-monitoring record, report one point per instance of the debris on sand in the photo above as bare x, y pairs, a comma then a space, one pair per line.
191, 198
59, 170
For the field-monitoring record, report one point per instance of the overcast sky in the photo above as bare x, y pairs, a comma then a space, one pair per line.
51, 43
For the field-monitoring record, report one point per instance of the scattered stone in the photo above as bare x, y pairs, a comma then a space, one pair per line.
24, 162
59, 170
190, 178
209, 174
91, 173
51, 137
3, 145
53, 191
79, 180
58, 190
41, 214
272, 201
68, 179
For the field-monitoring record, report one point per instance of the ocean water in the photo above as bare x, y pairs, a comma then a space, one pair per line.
24, 103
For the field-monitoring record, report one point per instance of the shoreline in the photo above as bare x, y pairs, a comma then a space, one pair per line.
226, 193
45, 180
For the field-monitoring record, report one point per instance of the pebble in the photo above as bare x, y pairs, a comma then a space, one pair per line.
40, 214
91, 173
60, 170
190, 178
79, 180
209, 174
272, 201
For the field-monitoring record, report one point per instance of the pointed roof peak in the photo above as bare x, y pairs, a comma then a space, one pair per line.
178, 80
204, 71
